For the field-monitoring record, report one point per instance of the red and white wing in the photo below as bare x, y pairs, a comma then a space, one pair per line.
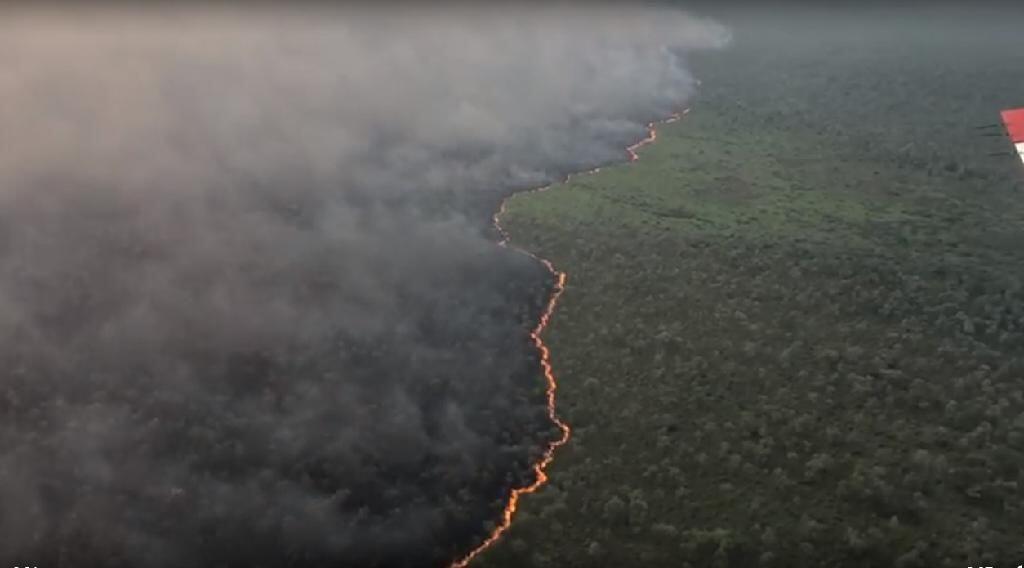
1014, 121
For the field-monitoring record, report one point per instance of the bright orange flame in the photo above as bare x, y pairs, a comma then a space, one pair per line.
545, 360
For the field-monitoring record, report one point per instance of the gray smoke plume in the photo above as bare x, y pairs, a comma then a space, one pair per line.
250, 311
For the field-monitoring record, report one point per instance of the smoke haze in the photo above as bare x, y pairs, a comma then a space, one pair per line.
250, 312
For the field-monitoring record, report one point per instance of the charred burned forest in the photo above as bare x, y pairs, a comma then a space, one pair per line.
252, 308
254, 312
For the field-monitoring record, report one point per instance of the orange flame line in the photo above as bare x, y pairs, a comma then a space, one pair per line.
545, 358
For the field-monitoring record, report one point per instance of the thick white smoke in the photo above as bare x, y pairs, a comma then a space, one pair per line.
248, 308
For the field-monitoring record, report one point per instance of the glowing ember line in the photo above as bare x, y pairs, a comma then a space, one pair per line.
545, 356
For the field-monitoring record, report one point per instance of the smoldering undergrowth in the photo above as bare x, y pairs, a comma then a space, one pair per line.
250, 311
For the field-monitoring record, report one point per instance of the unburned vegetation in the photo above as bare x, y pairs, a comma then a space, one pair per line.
794, 331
